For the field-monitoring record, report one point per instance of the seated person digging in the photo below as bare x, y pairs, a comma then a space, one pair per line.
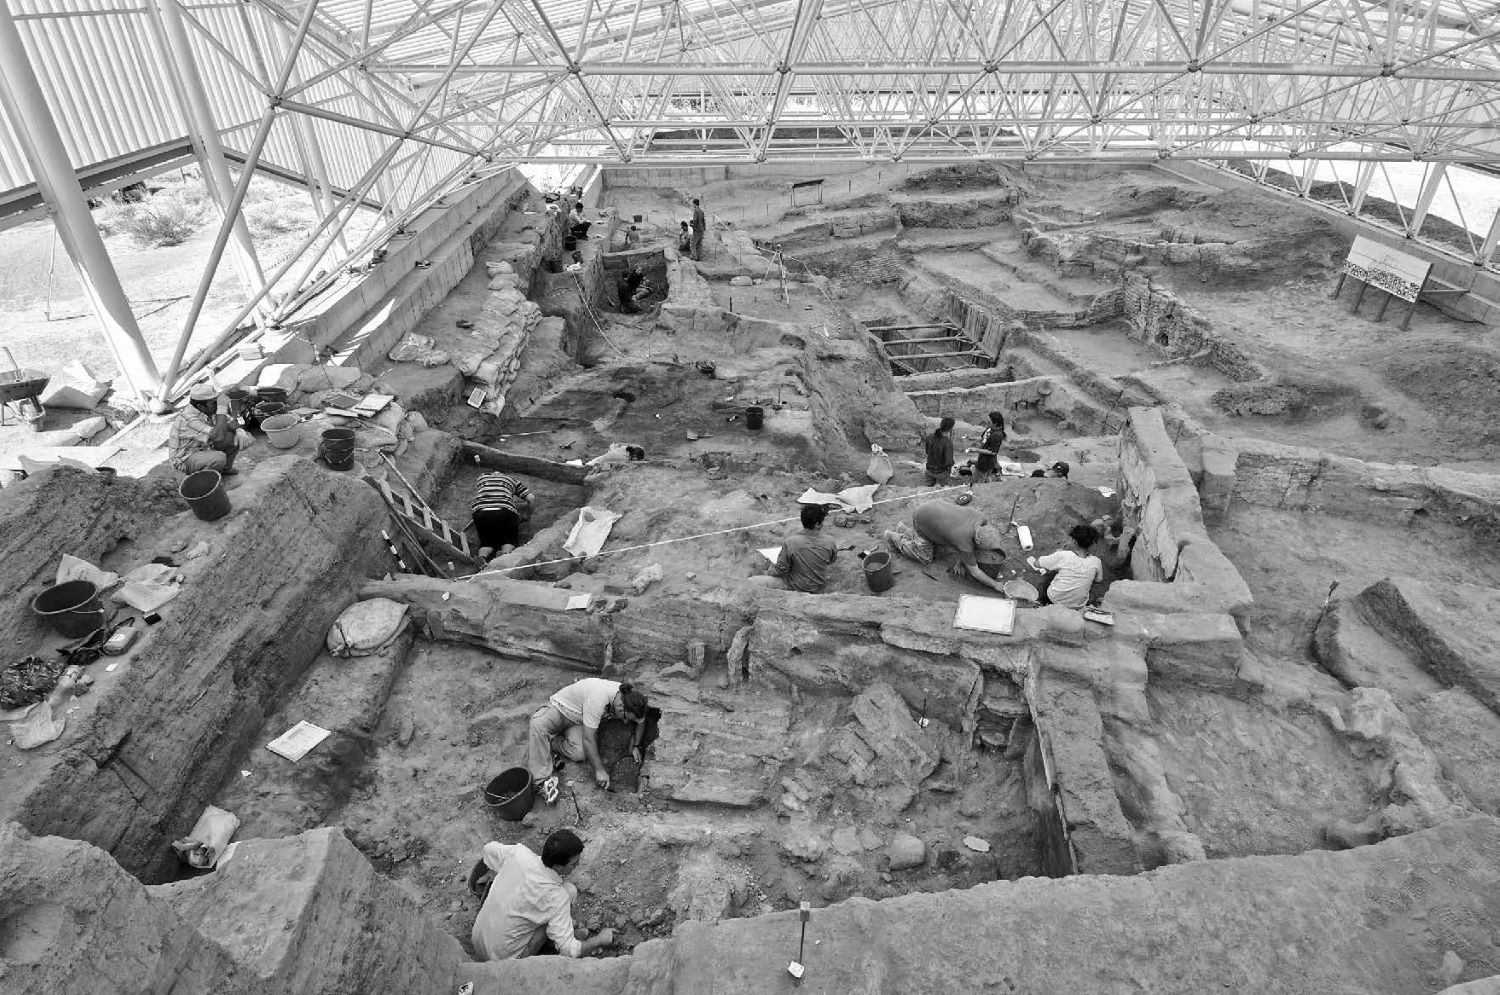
202, 436
630, 288
805, 557
568, 725
940, 528
1070, 576
501, 504
527, 903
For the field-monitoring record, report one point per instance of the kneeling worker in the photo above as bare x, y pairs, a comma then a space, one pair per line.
569, 726
805, 556
942, 527
501, 504
528, 902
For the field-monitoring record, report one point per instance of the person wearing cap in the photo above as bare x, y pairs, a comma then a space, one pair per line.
942, 528
1058, 469
202, 436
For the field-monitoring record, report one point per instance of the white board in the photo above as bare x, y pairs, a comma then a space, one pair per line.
1398, 273
295, 743
985, 614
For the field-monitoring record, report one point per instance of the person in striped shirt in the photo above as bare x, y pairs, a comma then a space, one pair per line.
501, 504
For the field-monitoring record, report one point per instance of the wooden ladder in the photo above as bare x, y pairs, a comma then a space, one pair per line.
419, 515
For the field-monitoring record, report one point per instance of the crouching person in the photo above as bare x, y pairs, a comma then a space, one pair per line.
528, 904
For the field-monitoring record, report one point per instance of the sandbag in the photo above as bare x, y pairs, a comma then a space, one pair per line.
202, 847
367, 627
880, 469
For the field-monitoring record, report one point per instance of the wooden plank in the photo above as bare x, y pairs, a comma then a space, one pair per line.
910, 328
938, 355
944, 338
533, 466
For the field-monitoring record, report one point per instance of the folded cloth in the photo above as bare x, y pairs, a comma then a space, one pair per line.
591, 531
849, 499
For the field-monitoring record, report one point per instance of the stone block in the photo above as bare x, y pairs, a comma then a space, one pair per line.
905, 851
310, 914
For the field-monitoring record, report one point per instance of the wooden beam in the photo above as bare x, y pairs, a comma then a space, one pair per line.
945, 338
532, 466
910, 328
939, 355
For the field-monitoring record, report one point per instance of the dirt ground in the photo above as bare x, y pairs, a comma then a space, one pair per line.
1251, 779
418, 811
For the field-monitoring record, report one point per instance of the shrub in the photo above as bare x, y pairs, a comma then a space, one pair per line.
165, 219
283, 216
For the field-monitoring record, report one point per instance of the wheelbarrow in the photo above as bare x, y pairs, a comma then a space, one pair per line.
19, 390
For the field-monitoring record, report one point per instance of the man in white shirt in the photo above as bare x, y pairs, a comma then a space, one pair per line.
528, 903
568, 725
1070, 575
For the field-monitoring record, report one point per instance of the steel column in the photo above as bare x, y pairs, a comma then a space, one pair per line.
42, 144
1491, 241
1430, 184
205, 134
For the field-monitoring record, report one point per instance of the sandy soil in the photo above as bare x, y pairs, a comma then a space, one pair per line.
418, 811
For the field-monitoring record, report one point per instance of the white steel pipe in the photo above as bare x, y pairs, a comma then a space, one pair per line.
205, 132
252, 159
42, 144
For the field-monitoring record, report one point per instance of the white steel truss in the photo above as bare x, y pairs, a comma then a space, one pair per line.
396, 103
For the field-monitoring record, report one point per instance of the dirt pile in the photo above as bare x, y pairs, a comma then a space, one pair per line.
1460, 382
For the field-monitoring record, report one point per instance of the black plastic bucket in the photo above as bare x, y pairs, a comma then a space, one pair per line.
73, 608
878, 571
276, 394
510, 794
336, 440
204, 491
755, 417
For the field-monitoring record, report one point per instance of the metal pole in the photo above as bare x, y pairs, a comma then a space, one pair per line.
1429, 189
1487, 251
205, 131
42, 144
252, 159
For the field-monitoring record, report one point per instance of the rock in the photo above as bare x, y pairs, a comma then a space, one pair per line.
1346, 835
740, 281
646, 578
870, 839
695, 652
976, 844
406, 728
528, 820
801, 843
906, 851
1452, 969
846, 841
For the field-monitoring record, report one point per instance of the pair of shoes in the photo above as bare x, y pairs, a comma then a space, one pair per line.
548, 789
229, 471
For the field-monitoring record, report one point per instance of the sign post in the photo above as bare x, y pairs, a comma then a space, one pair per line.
1399, 274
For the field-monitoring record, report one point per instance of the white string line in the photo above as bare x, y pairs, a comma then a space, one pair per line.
707, 535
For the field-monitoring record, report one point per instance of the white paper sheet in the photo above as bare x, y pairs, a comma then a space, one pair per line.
985, 614
771, 553
295, 743
579, 601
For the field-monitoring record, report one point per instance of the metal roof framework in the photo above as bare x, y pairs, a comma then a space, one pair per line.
398, 102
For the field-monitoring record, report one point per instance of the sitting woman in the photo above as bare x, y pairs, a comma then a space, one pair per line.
1070, 575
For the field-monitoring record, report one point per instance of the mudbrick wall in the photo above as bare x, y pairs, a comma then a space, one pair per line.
135, 769
1075, 676
1277, 476
1171, 327
1176, 561
68, 511
279, 917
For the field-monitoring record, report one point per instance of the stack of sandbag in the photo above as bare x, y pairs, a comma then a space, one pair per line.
498, 339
